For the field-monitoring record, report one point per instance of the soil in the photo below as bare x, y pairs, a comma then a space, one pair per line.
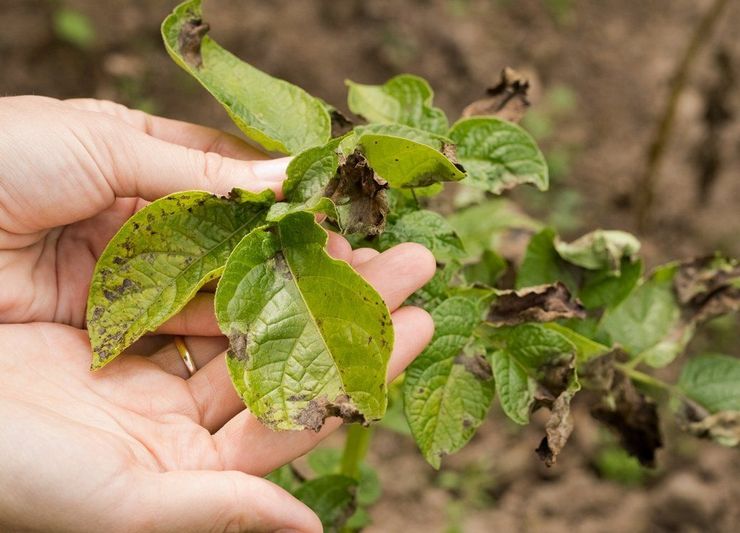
615, 59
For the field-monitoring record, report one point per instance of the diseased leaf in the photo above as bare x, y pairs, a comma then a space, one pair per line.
531, 361
404, 99
295, 357
448, 389
404, 163
359, 195
708, 286
331, 497
506, 100
427, 228
558, 428
159, 259
498, 155
600, 249
543, 303
623, 408
722, 427
712, 381
280, 116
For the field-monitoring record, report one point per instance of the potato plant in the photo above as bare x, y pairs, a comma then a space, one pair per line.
310, 339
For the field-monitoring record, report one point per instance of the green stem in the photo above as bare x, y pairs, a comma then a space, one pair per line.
646, 379
355, 449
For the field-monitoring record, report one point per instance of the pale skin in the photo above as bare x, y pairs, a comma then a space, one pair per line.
139, 445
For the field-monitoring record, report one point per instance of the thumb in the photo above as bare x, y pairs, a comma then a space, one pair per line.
138, 165
198, 501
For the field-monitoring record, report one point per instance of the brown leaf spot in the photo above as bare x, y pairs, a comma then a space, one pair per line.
507, 100
340, 124
238, 345
189, 40
543, 303
477, 365
319, 409
357, 184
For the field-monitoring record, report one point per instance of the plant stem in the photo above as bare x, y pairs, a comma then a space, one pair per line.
646, 379
355, 449
646, 186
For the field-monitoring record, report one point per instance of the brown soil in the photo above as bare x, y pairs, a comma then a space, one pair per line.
615, 57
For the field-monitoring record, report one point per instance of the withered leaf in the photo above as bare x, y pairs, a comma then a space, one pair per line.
542, 303
557, 429
722, 427
340, 123
507, 99
707, 287
360, 196
624, 409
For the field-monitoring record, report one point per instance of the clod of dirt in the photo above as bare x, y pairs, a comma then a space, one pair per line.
507, 100
707, 287
189, 40
543, 303
319, 409
624, 409
357, 186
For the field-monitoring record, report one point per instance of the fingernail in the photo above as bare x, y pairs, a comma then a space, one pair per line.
271, 169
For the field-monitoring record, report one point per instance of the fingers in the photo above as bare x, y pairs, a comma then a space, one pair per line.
173, 131
202, 349
195, 501
395, 274
196, 318
363, 255
245, 444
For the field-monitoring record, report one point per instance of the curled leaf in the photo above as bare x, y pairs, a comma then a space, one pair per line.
558, 428
543, 303
506, 100
359, 195
599, 249
279, 115
722, 427
707, 287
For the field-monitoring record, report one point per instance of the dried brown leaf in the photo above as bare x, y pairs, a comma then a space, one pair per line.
707, 287
543, 303
362, 193
558, 428
507, 100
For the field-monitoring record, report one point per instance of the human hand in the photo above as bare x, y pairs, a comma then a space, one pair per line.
135, 447
72, 172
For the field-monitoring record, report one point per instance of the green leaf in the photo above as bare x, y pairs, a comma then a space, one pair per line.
285, 478
309, 337
586, 348
448, 390
713, 381
603, 288
331, 497
405, 163
647, 317
74, 27
325, 461
481, 225
159, 259
404, 99
523, 352
437, 289
599, 249
278, 115
407, 132
542, 264
424, 227
498, 155
487, 271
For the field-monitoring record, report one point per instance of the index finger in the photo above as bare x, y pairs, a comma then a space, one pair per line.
179, 132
